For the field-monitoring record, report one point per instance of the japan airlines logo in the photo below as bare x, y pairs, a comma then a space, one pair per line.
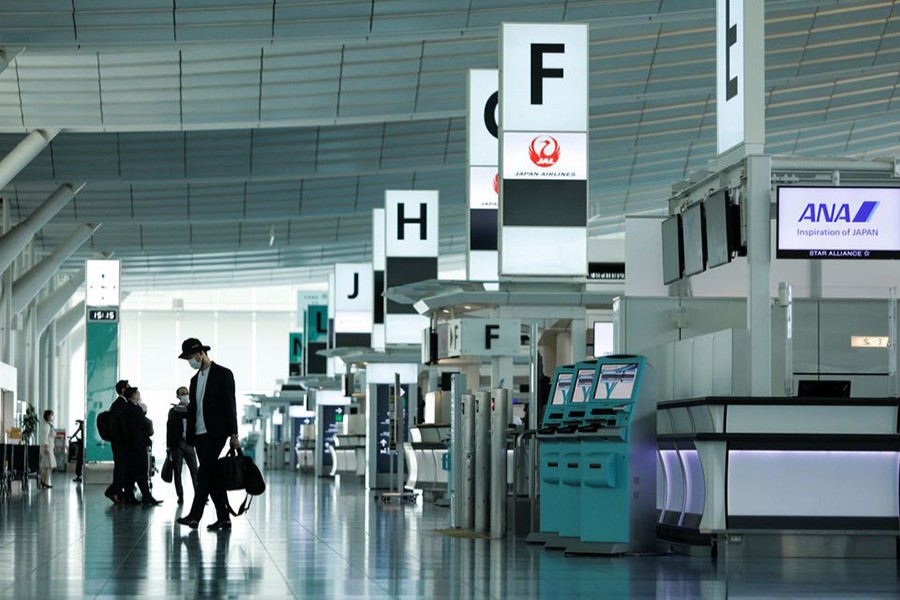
544, 151
496, 183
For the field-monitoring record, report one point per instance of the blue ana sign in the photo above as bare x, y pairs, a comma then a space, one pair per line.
838, 222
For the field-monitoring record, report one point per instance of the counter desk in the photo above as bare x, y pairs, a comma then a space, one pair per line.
779, 476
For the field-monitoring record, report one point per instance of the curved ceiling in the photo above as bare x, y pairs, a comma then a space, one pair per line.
248, 140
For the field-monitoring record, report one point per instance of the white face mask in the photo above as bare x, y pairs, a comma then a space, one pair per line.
195, 364
184, 399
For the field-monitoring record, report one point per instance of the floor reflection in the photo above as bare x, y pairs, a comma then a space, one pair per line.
317, 538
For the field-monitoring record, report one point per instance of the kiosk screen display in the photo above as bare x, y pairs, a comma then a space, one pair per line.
563, 383
583, 384
616, 381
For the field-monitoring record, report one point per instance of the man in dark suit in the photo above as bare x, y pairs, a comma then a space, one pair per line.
211, 422
116, 490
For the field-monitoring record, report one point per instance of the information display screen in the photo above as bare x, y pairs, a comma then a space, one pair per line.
583, 383
561, 389
838, 222
616, 381
673, 249
693, 229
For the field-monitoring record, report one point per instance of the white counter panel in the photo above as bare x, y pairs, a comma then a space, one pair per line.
818, 484
847, 419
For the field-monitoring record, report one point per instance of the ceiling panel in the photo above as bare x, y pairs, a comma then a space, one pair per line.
252, 117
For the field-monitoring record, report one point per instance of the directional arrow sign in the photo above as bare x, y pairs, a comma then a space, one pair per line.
340, 411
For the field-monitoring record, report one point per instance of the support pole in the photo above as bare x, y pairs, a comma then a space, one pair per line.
14, 241
19, 157
482, 459
68, 321
457, 458
468, 485
49, 306
26, 287
499, 426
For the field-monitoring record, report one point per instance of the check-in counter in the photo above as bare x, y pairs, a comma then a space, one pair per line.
349, 454
780, 476
425, 455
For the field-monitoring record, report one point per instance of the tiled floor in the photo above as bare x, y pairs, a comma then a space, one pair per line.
309, 538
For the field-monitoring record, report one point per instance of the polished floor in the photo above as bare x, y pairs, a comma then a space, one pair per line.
309, 538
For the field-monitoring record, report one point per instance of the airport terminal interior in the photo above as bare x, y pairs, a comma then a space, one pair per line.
520, 299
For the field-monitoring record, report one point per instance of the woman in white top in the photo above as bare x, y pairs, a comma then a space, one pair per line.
48, 459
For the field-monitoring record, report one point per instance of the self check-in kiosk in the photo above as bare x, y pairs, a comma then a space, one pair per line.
618, 460
554, 419
570, 455
598, 458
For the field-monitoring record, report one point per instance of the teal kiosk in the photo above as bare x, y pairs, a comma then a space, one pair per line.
549, 452
617, 439
570, 453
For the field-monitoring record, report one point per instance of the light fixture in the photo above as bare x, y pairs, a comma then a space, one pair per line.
271, 236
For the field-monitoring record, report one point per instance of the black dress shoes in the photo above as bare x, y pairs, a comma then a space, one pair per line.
112, 496
189, 522
220, 525
151, 501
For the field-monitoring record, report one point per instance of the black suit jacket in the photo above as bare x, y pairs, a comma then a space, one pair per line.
219, 405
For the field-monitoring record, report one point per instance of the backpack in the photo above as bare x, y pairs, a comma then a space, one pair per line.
105, 426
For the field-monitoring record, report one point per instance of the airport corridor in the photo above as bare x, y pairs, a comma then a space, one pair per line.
311, 539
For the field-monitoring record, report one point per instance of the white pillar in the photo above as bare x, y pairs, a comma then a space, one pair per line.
759, 262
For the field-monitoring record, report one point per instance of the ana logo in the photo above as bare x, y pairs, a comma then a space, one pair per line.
496, 183
822, 212
544, 151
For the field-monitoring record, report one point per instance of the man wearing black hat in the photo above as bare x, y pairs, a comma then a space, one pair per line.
211, 422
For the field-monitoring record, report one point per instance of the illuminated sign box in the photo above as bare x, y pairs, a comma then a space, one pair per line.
851, 223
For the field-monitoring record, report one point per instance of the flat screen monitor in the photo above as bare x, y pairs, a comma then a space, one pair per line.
723, 229
616, 381
810, 388
673, 249
603, 338
855, 223
561, 388
693, 228
584, 381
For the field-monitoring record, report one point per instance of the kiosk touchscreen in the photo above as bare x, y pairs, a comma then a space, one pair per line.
560, 392
585, 379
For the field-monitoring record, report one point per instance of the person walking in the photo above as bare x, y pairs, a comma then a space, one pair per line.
139, 430
48, 458
211, 422
177, 448
77, 439
116, 490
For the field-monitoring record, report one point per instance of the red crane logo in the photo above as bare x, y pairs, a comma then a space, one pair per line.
544, 151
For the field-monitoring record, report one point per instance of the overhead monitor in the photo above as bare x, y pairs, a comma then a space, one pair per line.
693, 227
616, 381
838, 222
561, 388
673, 249
584, 381
723, 229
